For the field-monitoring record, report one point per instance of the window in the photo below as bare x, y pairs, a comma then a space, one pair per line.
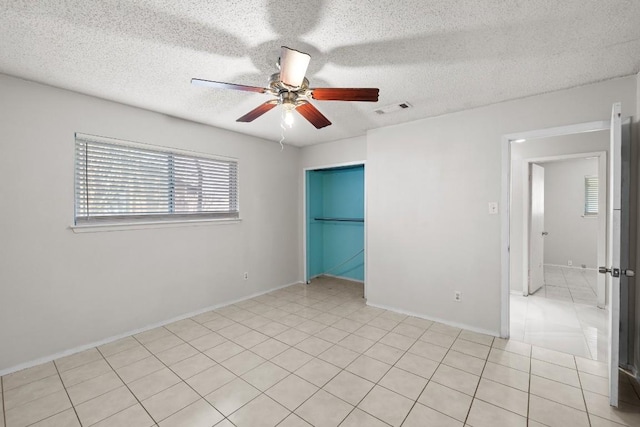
118, 181
590, 196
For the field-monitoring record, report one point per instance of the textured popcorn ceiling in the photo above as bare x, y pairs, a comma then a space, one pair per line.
441, 56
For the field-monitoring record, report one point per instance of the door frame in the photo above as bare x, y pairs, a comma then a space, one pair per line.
304, 214
602, 218
505, 199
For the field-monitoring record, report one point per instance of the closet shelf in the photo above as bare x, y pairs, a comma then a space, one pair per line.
340, 219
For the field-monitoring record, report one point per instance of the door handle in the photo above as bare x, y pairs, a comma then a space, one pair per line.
544, 233
616, 272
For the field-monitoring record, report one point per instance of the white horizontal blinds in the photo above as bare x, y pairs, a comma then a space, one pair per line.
120, 182
203, 185
591, 195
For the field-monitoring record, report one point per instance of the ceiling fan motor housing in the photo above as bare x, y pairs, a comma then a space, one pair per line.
287, 95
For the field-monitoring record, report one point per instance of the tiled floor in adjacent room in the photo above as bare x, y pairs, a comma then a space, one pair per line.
562, 315
314, 355
569, 284
578, 329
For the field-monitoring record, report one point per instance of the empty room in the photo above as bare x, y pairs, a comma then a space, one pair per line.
319, 213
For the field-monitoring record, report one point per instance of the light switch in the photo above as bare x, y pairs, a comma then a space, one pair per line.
493, 208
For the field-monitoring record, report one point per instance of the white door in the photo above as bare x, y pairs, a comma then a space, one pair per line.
536, 229
613, 249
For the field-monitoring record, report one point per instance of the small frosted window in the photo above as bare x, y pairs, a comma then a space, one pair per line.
590, 195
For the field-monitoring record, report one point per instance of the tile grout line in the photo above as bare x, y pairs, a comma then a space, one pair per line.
127, 386
181, 379
360, 354
313, 335
344, 369
529, 387
377, 383
245, 349
429, 380
41, 397
441, 362
32, 400
67, 393
466, 418
290, 372
584, 398
4, 409
30, 382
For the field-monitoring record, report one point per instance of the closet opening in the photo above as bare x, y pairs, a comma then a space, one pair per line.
335, 225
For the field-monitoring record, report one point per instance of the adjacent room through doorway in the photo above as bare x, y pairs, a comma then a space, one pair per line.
557, 224
569, 234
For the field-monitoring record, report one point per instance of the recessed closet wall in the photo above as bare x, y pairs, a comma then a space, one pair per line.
335, 222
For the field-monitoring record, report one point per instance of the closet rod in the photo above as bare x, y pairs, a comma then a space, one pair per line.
340, 219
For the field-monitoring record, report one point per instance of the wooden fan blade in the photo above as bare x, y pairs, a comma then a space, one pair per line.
311, 113
345, 94
223, 85
293, 66
258, 111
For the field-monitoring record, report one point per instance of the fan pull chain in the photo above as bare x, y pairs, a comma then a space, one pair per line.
282, 131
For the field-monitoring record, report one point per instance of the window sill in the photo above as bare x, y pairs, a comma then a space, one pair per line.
145, 225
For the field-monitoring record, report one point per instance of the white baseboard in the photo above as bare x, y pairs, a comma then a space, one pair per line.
348, 279
435, 319
571, 266
84, 347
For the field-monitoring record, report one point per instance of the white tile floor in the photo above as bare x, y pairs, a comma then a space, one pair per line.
561, 316
569, 284
314, 355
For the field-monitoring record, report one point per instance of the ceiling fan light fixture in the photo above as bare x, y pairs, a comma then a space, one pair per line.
288, 117
287, 112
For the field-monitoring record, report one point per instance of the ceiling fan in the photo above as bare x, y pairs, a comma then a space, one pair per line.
292, 90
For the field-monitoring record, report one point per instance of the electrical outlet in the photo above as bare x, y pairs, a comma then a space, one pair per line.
493, 208
569, 263
246, 275
457, 296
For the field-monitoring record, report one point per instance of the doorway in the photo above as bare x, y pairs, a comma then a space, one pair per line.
557, 324
554, 303
335, 223
567, 228
617, 269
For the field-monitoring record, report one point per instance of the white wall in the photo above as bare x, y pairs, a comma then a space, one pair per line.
572, 235
428, 185
60, 290
350, 150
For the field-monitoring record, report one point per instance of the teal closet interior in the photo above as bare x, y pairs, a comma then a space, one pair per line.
335, 222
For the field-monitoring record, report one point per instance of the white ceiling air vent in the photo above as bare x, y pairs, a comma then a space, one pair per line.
393, 108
